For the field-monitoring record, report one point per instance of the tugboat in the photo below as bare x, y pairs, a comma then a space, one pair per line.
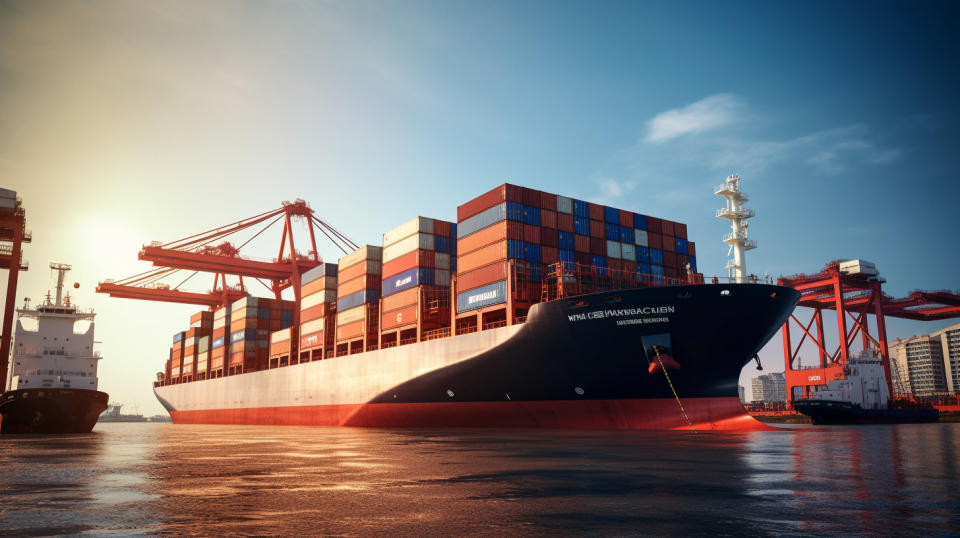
862, 398
113, 414
52, 387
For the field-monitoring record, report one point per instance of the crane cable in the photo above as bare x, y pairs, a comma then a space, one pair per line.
656, 351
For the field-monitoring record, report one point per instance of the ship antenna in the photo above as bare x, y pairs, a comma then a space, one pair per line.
62, 269
738, 215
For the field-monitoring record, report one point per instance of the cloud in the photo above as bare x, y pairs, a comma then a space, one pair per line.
708, 113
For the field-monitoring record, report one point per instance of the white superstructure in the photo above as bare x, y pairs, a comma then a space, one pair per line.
738, 215
58, 352
865, 384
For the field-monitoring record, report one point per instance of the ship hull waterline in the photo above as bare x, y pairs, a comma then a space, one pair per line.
50, 410
580, 362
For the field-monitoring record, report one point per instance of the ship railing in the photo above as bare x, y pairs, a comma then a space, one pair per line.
408, 340
434, 334
495, 324
389, 345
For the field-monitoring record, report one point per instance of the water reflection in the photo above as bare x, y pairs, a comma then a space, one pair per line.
149, 478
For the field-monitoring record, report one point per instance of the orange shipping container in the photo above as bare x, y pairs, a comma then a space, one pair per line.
325, 283
503, 193
565, 222
401, 299
581, 243
311, 340
489, 274
312, 313
399, 318
548, 218
365, 267
597, 229
366, 282
351, 330
481, 257
417, 258
280, 348
500, 231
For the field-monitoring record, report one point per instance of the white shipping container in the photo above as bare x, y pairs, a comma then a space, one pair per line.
202, 357
640, 237
366, 252
564, 205
221, 313
407, 245
613, 249
441, 277
441, 260
353, 314
219, 323
628, 251
175, 371
858, 267
244, 303
312, 326
204, 344
280, 336
417, 225
322, 296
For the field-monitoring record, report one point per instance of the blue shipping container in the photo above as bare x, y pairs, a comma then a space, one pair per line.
218, 343
643, 254
515, 211
682, 246
598, 261
241, 335
263, 313
320, 271
612, 231
531, 215
581, 225
611, 214
639, 221
693, 263
566, 256
656, 256
286, 323
407, 279
531, 252
643, 268
565, 240
441, 243
626, 235
357, 299
581, 209
178, 337
483, 296
481, 220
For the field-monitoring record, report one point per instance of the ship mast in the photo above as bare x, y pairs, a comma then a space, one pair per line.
738, 215
62, 269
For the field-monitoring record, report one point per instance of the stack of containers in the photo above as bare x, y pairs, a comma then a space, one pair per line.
500, 227
201, 324
280, 348
358, 294
220, 342
417, 260
203, 353
246, 352
176, 357
318, 306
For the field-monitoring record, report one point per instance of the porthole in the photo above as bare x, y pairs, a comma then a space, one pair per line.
725, 293
578, 390
450, 393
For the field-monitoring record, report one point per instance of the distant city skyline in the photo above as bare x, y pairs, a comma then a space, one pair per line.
122, 123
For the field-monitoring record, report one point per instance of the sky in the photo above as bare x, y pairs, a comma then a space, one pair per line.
127, 122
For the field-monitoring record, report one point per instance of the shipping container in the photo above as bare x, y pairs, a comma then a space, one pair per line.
319, 284
414, 242
482, 276
400, 317
364, 267
548, 218
639, 221
666, 227
417, 258
319, 298
321, 271
596, 212
351, 330
421, 225
640, 237
407, 279
488, 295
366, 252
357, 299
654, 240
549, 237
653, 225
564, 205
669, 243
611, 215
626, 218
597, 229
628, 252
613, 249
581, 243
598, 246
496, 196
401, 299
565, 222
581, 208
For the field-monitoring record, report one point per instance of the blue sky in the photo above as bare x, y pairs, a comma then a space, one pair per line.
121, 123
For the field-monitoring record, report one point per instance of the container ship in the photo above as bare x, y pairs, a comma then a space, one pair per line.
531, 310
52, 386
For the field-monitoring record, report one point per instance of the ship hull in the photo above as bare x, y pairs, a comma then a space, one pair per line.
581, 362
823, 412
31, 411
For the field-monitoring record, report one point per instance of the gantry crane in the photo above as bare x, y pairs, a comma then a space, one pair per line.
198, 253
852, 289
13, 233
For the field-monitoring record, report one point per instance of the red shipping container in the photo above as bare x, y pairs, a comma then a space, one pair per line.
680, 230
399, 318
596, 212
626, 218
368, 282
312, 313
401, 299
441, 228
480, 257
692, 249
666, 227
614, 264
669, 243
531, 233
669, 259
279, 348
565, 222
531, 197
498, 195
500, 231
311, 340
598, 247
549, 237
654, 240
548, 201
488, 274
549, 255
417, 258
583, 258
581, 243
359, 269
548, 218
628, 266
682, 261
597, 229
653, 225
669, 272
351, 330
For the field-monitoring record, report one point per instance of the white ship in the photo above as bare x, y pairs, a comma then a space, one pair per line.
52, 385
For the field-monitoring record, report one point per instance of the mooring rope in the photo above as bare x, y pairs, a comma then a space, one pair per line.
675, 396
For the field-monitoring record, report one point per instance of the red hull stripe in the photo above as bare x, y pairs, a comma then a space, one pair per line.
646, 414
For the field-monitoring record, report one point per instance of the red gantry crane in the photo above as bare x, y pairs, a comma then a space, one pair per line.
13, 233
198, 253
852, 289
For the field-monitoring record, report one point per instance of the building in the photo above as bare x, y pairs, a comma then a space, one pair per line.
770, 388
927, 365
742, 392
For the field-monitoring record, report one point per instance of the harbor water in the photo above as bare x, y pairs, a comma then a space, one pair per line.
149, 478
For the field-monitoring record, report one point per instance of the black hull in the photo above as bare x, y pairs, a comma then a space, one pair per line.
51, 410
841, 413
